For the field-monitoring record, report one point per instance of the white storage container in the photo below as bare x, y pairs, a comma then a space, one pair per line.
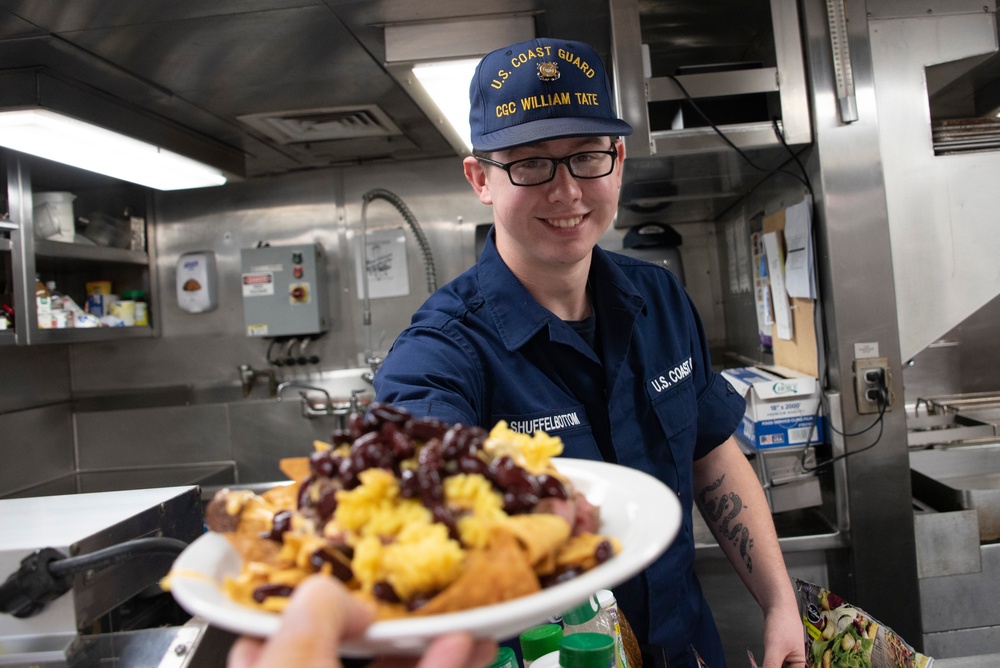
53, 216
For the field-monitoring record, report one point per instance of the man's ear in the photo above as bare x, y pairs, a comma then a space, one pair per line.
476, 176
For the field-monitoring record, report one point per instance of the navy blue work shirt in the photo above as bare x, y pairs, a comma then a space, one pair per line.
481, 349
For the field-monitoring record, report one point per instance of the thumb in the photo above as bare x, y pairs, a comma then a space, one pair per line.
319, 615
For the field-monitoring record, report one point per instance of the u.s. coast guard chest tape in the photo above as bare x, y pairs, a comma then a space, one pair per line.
781, 408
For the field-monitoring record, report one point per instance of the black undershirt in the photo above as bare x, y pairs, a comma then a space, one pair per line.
587, 329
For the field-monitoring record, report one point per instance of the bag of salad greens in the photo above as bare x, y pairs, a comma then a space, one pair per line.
843, 636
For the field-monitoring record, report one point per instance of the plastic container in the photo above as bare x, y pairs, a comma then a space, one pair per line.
124, 309
98, 287
52, 213
105, 230
539, 641
587, 650
505, 658
141, 308
43, 303
550, 660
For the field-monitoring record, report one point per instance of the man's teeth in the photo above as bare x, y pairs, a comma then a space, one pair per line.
565, 222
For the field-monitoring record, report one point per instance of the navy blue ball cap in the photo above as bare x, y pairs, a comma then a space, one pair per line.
539, 90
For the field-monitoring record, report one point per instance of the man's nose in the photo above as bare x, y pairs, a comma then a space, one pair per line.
564, 184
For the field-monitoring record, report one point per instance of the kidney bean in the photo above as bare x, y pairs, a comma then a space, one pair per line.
425, 429
265, 591
384, 592
281, 523
340, 570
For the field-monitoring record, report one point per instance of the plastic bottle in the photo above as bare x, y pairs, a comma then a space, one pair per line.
55, 297
607, 600
505, 658
538, 641
43, 304
587, 650
591, 617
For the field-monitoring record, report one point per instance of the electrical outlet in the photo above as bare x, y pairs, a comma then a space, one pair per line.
871, 378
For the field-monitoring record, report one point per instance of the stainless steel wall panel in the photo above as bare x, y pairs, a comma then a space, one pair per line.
153, 436
31, 377
35, 445
264, 432
206, 349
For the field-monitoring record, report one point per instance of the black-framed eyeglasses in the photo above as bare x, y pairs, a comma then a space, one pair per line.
536, 171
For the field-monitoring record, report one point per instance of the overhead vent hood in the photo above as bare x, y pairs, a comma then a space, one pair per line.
325, 124
683, 75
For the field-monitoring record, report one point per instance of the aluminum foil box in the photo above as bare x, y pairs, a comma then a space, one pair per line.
781, 407
81, 524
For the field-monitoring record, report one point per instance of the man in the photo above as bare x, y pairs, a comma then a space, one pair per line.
606, 351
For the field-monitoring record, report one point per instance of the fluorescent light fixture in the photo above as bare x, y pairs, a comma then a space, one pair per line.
56, 137
447, 82
434, 62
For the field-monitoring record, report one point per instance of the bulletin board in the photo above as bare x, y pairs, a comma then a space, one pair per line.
800, 352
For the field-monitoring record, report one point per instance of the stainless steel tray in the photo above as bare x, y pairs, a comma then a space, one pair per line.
961, 478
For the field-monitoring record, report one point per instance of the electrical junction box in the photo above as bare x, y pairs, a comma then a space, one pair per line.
284, 290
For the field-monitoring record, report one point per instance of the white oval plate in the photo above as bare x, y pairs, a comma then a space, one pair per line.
639, 510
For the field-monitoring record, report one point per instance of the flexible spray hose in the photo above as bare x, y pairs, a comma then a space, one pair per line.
425, 248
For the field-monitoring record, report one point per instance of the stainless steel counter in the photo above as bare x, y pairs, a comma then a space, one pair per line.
980, 661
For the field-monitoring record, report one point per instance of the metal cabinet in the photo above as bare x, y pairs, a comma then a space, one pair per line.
23, 255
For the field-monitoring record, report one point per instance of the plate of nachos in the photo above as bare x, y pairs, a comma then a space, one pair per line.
440, 527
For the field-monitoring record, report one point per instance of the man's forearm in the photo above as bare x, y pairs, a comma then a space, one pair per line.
734, 506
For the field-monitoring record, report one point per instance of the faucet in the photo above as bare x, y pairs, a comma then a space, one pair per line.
248, 377
306, 388
310, 409
425, 247
374, 362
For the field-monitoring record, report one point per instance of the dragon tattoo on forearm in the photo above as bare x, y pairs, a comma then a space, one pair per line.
722, 511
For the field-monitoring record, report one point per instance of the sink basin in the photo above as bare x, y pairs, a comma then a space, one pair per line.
962, 478
340, 382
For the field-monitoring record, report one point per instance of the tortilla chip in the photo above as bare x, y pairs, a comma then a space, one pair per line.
283, 496
497, 573
540, 534
579, 550
295, 468
252, 548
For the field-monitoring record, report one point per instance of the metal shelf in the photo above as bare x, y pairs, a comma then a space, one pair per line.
72, 251
84, 335
5, 245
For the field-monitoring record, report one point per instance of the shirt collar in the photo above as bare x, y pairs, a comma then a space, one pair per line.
519, 316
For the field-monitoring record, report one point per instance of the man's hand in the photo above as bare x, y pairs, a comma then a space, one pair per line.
321, 614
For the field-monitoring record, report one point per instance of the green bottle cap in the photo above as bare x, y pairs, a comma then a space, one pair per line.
540, 640
587, 650
582, 613
505, 659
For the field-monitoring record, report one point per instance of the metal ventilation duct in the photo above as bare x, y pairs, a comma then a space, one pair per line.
325, 124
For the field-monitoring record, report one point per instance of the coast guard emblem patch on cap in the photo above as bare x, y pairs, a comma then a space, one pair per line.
540, 90
548, 71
